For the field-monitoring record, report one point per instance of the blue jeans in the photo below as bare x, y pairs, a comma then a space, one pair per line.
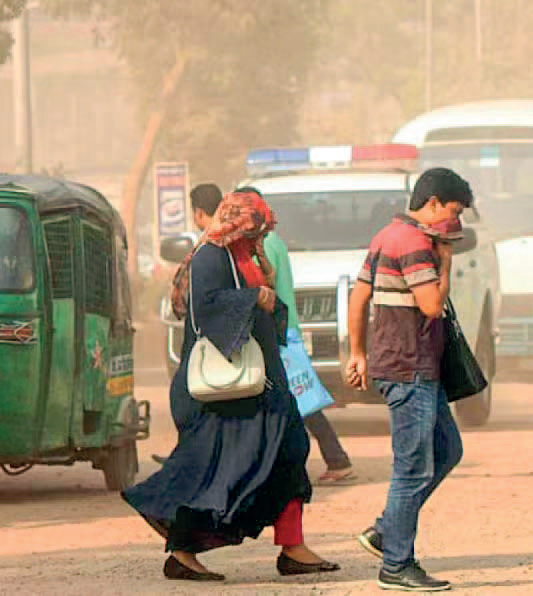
426, 446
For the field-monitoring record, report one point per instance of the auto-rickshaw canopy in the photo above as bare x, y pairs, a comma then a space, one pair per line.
54, 194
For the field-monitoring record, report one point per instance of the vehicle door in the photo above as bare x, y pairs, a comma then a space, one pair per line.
23, 330
59, 240
94, 321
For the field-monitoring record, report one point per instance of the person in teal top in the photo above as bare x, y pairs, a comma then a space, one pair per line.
278, 255
339, 467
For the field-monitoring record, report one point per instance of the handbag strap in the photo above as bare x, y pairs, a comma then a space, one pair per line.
450, 308
451, 315
373, 269
237, 285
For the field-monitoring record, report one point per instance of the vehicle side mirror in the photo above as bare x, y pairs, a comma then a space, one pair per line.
467, 242
176, 248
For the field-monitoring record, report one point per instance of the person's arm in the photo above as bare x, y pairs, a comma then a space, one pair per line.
356, 368
266, 266
278, 256
430, 297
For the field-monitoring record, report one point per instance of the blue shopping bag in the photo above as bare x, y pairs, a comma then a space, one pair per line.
304, 383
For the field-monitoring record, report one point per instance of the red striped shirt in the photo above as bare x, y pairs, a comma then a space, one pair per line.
403, 340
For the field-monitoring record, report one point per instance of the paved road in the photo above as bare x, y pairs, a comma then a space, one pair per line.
62, 533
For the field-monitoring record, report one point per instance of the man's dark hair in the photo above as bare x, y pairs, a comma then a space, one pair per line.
442, 183
206, 197
248, 189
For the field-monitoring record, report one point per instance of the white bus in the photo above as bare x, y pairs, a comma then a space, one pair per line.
490, 143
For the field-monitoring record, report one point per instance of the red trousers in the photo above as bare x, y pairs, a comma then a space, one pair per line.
288, 530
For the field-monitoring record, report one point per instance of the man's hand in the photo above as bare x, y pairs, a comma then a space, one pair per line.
444, 250
357, 372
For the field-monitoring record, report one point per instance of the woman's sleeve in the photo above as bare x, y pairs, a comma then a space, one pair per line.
222, 312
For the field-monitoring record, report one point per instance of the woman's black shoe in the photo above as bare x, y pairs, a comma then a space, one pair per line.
173, 569
288, 566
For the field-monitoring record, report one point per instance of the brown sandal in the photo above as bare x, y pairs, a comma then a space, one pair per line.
337, 477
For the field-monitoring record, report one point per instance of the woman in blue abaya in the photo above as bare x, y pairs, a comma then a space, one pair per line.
239, 466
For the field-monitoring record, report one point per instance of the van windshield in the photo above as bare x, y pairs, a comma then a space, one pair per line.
501, 177
334, 220
16, 255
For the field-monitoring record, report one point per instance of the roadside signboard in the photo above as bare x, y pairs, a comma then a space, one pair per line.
171, 182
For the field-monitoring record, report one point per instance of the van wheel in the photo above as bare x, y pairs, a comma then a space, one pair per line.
121, 466
475, 410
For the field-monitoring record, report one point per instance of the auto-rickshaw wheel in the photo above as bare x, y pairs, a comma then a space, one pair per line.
121, 465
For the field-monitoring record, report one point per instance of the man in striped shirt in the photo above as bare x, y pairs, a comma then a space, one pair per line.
407, 274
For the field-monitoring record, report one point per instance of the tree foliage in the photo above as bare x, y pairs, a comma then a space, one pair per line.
9, 9
247, 61
275, 72
241, 64
272, 71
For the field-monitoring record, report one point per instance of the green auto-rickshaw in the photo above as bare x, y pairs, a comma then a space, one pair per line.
66, 333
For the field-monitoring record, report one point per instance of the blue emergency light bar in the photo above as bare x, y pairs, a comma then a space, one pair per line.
388, 155
271, 160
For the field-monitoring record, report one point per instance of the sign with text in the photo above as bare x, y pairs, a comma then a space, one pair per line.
171, 189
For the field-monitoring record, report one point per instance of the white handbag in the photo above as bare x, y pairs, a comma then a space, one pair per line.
212, 377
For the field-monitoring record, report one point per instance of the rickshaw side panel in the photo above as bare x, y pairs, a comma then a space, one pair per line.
90, 425
58, 414
120, 381
20, 395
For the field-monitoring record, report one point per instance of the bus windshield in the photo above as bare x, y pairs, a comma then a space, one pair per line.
334, 220
16, 260
501, 177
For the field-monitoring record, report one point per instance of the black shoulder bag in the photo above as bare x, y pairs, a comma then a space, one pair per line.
461, 375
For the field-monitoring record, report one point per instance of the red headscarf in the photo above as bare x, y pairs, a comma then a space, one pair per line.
240, 219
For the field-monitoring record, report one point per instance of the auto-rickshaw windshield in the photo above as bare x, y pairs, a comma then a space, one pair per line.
16, 255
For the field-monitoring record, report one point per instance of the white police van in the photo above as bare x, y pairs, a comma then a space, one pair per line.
329, 202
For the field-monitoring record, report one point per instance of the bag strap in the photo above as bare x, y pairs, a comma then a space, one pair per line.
233, 269
373, 269
449, 312
449, 306
235, 277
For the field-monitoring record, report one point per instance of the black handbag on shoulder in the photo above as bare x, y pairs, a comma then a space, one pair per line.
461, 375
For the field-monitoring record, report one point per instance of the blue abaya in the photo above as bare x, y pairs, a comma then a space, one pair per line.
237, 464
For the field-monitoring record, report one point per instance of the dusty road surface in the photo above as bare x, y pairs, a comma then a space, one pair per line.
62, 534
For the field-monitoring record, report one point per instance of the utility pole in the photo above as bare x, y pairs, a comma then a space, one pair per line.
429, 51
479, 37
22, 94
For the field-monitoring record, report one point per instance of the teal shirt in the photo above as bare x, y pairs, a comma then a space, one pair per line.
278, 254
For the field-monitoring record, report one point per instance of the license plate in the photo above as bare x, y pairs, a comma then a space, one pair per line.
307, 336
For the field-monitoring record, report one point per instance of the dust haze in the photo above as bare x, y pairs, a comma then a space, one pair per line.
253, 74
